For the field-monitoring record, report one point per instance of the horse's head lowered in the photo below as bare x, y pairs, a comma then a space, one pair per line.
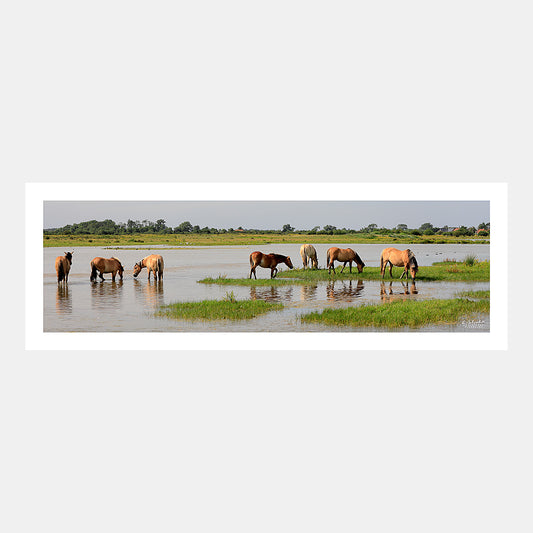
288, 262
359, 263
413, 265
137, 269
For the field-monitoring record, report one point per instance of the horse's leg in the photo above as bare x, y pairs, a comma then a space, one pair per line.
101, 275
113, 274
390, 269
350, 267
273, 272
403, 273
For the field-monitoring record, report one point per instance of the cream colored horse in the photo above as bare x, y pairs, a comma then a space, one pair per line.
154, 263
308, 253
63, 267
399, 258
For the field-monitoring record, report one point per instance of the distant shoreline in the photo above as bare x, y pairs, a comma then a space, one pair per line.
248, 239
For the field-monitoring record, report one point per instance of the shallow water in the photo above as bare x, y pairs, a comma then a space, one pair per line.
129, 305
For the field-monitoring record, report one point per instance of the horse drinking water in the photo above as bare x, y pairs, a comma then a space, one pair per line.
399, 258
63, 267
308, 253
154, 263
106, 266
268, 261
343, 255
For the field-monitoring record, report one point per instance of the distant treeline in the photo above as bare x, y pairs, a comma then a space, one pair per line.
108, 227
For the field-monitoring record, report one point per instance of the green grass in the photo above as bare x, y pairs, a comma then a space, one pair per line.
401, 313
227, 309
241, 239
260, 282
474, 294
444, 271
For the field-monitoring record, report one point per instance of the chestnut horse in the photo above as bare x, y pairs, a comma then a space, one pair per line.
106, 266
154, 263
399, 258
343, 255
308, 253
63, 267
268, 261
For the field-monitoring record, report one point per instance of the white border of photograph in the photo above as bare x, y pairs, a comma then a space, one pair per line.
38, 193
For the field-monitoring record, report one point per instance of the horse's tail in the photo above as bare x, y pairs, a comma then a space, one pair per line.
381, 262
327, 258
93, 271
160, 265
60, 272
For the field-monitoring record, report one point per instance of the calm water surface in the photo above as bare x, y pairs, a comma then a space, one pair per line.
129, 305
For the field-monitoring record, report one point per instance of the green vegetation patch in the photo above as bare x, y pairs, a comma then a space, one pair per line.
444, 271
241, 239
227, 309
475, 294
401, 313
260, 282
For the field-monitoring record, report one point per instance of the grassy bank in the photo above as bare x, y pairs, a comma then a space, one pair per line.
442, 271
227, 309
245, 239
401, 313
260, 282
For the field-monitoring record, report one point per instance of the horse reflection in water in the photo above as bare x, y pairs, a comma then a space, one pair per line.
308, 292
150, 293
106, 295
387, 293
63, 299
271, 294
344, 291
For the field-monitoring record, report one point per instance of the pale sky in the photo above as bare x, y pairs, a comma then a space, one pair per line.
273, 215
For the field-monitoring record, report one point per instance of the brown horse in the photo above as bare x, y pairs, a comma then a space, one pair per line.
343, 255
63, 267
154, 263
106, 266
399, 258
268, 261
308, 253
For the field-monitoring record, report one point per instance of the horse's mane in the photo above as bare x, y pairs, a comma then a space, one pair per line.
116, 259
279, 256
412, 258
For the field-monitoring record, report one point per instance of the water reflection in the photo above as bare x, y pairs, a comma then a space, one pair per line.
63, 299
344, 291
106, 294
308, 292
271, 293
387, 290
149, 293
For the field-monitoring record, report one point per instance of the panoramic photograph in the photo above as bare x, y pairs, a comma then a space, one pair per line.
266, 266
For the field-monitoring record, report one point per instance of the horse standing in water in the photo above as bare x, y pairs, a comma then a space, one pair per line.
399, 258
154, 263
106, 266
268, 261
63, 267
308, 253
343, 255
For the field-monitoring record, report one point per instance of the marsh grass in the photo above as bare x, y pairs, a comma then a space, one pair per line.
475, 294
240, 239
443, 271
470, 260
401, 313
261, 282
227, 309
